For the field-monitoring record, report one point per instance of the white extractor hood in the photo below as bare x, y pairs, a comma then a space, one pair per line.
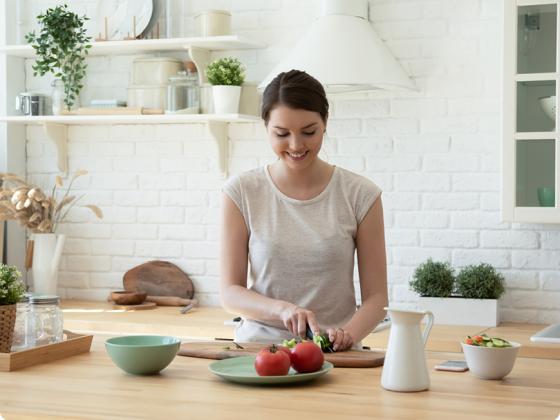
343, 51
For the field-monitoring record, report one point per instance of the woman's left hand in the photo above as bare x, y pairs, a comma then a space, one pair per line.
341, 339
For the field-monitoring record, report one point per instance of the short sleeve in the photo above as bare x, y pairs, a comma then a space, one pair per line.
368, 192
233, 189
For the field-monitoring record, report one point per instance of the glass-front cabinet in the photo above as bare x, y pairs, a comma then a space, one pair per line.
531, 137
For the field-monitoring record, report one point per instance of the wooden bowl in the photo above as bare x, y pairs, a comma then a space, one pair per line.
124, 297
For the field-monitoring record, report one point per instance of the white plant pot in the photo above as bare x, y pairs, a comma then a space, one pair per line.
226, 99
47, 250
459, 311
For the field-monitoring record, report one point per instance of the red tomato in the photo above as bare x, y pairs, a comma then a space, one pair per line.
271, 361
286, 350
307, 357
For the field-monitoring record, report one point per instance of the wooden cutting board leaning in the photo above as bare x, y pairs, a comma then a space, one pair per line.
227, 349
159, 278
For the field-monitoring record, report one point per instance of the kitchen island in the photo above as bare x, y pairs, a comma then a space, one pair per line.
90, 386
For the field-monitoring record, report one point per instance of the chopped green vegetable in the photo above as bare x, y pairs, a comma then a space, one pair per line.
322, 340
484, 341
289, 343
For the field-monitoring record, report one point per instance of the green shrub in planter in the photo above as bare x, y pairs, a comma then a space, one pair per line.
480, 282
433, 279
226, 71
11, 287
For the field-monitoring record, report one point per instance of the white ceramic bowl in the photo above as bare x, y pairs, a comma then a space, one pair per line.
490, 362
548, 105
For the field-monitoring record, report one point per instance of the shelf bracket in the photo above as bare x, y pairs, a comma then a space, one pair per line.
219, 133
201, 59
58, 134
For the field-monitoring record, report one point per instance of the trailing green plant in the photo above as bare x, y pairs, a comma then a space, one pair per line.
480, 282
226, 71
11, 286
61, 46
433, 279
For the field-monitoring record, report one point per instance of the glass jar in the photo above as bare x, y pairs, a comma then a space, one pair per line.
183, 93
47, 319
23, 329
57, 96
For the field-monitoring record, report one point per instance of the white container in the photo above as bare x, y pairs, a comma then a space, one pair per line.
404, 369
47, 251
213, 23
459, 311
154, 71
490, 362
226, 99
147, 96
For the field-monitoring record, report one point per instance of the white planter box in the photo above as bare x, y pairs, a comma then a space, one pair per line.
459, 311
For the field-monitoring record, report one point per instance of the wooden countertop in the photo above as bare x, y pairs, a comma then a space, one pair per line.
208, 323
90, 386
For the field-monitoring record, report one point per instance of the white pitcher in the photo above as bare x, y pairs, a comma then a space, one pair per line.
47, 250
405, 364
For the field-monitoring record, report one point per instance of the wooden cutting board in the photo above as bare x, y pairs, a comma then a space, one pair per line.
226, 349
159, 278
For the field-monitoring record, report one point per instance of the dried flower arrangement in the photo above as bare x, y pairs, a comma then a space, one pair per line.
32, 208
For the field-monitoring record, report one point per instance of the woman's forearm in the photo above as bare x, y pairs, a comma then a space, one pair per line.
250, 304
366, 318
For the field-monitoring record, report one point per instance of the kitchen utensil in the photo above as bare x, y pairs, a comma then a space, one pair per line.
139, 307
171, 301
187, 308
226, 350
142, 354
124, 297
159, 278
309, 334
490, 362
125, 18
241, 370
405, 363
30, 104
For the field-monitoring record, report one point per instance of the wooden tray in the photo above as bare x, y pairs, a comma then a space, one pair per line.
226, 349
73, 345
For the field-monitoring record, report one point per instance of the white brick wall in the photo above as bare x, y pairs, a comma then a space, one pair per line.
435, 152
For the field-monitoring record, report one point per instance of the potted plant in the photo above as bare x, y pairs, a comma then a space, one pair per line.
470, 298
226, 75
42, 214
11, 292
61, 47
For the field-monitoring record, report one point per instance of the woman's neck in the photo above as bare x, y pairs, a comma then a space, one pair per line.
304, 183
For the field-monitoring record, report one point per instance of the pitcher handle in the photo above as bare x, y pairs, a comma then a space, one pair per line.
428, 327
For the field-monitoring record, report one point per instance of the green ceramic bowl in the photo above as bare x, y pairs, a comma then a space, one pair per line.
142, 354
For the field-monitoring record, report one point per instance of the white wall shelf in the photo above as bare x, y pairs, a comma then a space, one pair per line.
214, 43
56, 128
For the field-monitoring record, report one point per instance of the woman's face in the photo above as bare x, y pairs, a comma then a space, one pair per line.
296, 135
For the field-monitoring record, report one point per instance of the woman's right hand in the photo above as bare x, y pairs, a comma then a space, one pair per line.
295, 319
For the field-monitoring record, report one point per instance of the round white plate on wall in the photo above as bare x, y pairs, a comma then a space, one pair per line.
121, 15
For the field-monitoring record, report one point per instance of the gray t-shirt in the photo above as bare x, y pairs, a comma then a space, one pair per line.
301, 251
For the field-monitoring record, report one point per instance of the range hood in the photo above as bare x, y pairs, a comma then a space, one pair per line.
343, 51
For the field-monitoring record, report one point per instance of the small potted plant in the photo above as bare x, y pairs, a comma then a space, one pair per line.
11, 292
61, 47
470, 298
226, 75
42, 214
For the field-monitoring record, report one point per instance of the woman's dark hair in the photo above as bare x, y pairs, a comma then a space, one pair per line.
295, 89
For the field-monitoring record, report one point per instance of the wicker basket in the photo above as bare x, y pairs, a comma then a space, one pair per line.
7, 323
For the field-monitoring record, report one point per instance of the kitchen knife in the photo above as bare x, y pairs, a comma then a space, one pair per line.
309, 334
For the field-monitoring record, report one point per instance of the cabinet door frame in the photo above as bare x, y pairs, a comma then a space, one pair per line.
510, 211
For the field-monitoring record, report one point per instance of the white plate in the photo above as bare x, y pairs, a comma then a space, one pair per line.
120, 15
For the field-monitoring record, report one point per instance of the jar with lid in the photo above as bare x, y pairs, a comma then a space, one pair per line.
183, 92
24, 336
47, 319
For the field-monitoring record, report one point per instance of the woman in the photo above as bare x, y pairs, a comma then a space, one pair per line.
298, 222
